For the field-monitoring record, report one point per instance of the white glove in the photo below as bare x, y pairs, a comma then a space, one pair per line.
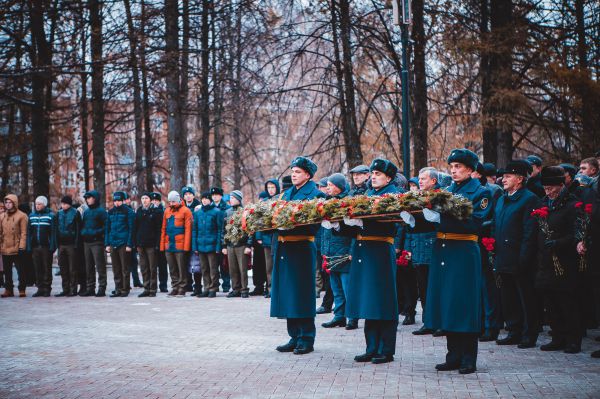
353, 222
326, 224
431, 216
408, 218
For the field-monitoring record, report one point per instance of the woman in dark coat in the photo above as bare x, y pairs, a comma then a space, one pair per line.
557, 274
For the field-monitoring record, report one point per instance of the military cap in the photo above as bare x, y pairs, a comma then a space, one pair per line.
305, 164
187, 189
360, 169
480, 169
489, 169
464, 156
155, 196
553, 176
206, 195
322, 182
119, 196
384, 166
217, 190
519, 167
286, 182
570, 169
534, 160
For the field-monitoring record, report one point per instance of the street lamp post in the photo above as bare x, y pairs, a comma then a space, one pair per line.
402, 17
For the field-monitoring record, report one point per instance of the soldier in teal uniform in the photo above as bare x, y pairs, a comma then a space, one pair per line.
372, 288
294, 262
454, 289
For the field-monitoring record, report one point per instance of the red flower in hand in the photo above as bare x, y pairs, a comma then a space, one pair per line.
403, 259
578, 204
489, 243
588, 209
541, 212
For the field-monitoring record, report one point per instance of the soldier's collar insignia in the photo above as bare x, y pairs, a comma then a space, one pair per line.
484, 203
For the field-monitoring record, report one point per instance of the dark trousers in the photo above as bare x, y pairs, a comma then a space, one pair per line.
68, 263
259, 272
148, 265
197, 282
121, 265
42, 263
163, 270
133, 267
462, 349
302, 331
519, 305
223, 265
178, 267
422, 272
95, 261
8, 261
328, 297
380, 336
492, 304
210, 271
81, 268
238, 268
406, 280
565, 316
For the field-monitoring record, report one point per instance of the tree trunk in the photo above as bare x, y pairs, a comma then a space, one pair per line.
204, 150
590, 138
98, 134
137, 99
236, 58
149, 178
41, 78
217, 68
83, 109
490, 139
351, 137
501, 78
419, 114
176, 135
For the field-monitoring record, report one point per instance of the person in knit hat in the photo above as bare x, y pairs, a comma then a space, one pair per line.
68, 222
176, 241
41, 242
13, 242
238, 253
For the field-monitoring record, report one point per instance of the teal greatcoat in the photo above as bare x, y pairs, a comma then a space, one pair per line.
372, 288
454, 289
293, 277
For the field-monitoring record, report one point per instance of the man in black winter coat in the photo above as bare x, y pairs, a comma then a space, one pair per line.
68, 224
514, 230
148, 223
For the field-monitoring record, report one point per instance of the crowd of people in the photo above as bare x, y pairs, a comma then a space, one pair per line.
528, 256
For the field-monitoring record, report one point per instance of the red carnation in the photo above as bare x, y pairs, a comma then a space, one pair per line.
578, 204
231, 221
274, 204
488, 243
588, 209
251, 211
343, 204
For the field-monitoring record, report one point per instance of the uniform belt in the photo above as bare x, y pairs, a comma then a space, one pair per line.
295, 238
389, 240
458, 236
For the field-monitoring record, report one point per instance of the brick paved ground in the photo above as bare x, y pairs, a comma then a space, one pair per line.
224, 348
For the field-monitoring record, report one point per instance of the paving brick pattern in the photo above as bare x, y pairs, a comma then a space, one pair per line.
224, 348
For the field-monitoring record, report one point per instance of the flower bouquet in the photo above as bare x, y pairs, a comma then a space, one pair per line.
541, 214
584, 213
268, 215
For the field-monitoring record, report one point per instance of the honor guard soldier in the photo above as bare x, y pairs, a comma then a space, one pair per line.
372, 288
295, 255
454, 290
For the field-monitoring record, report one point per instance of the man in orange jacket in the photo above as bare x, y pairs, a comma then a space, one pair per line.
176, 240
